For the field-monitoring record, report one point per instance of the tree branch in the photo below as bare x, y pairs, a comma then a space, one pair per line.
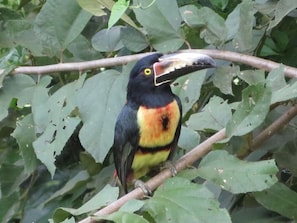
185, 161
108, 62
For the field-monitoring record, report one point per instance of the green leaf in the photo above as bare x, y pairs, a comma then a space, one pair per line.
108, 4
107, 40
82, 50
92, 6
58, 124
20, 82
125, 214
99, 103
107, 195
286, 157
123, 217
279, 198
276, 80
214, 116
132, 205
188, 89
133, 39
11, 177
243, 40
283, 7
281, 90
252, 77
188, 138
56, 28
256, 215
20, 32
79, 179
214, 30
9, 62
235, 175
118, 9
251, 112
24, 133
223, 78
161, 24
8, 206
179, 200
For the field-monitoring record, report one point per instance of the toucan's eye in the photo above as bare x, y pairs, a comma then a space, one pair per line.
147, 71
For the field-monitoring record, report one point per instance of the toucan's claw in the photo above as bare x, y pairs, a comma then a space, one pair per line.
146, 190
170, 165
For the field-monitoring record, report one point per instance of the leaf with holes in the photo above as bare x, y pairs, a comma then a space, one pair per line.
178, 200
59, 121
235, 175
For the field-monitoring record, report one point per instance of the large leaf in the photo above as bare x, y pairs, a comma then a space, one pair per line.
281, 90
99, 103
24, 84
58, 123
283, 7
251, 112
20, 32
235, 175
188, 89
286, 157
214, 116
92, 6
102, 198
252, 77
279, 198
133, 39
214, 30
223, 78
59, 23
244, 40
161, 24
179, 200
107, 40
188, 138
8, 205
125, 214
24, 133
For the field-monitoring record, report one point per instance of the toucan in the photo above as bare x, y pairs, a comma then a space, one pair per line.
148, 127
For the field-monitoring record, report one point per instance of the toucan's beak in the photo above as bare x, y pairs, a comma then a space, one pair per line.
171, 66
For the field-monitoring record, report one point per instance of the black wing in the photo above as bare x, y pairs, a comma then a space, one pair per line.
126, 139
177, 132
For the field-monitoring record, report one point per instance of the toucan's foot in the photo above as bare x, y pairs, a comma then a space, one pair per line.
146, 190
169, 165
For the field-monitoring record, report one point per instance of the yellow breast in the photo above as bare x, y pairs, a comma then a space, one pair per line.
157, 126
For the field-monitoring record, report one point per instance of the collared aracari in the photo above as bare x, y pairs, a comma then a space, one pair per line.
148, 126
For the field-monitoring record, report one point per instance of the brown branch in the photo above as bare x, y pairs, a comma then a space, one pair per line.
185, 161
108, 62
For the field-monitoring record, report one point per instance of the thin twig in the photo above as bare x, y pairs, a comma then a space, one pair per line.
185, 161
108, 62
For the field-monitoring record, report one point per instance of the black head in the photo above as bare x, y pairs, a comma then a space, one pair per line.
154, 73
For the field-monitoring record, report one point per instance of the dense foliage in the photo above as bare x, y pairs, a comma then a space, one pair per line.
56, 129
